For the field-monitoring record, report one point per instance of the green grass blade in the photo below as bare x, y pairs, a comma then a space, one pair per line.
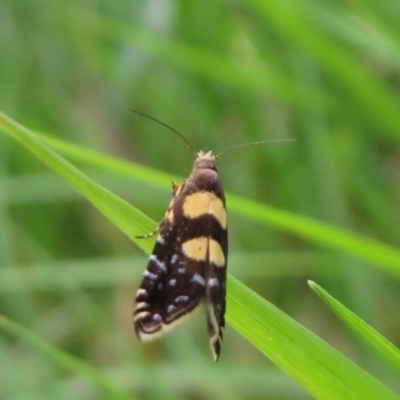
321, 370
318, 368
130, 220
253, 78
384, 349
296, 21
111, 164
380, 254
63, 359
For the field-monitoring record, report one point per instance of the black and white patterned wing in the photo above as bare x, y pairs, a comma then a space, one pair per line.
189, 260
172, 285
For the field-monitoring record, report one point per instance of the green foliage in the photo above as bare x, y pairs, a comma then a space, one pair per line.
384, 349
318, 368
222, 73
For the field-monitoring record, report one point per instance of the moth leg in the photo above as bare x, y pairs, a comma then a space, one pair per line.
151, 234
176, 189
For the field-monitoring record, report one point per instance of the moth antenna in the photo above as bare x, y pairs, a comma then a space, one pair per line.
255, 144
166, 126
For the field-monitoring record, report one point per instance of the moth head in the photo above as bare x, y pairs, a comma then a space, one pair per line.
205, 161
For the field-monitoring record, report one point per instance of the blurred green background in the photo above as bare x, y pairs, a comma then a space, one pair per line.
223, 73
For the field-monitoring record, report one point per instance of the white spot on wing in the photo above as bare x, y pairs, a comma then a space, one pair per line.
174, 259
141, 305
212, 282
149, 275
160, 240
181, 299
172, 282
141, 315
198, 279
141, 293
170, 308
157, 318
159, 264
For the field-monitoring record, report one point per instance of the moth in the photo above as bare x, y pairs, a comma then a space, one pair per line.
188, 265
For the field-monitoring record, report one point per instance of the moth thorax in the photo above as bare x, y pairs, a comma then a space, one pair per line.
205, 161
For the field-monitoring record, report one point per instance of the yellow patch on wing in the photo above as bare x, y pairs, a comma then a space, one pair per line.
176, 189
216, 254
218, 210
196, 248
200, 203
170, 215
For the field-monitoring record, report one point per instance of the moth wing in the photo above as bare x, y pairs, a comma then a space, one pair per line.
172, 285
216, 271
207, 243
